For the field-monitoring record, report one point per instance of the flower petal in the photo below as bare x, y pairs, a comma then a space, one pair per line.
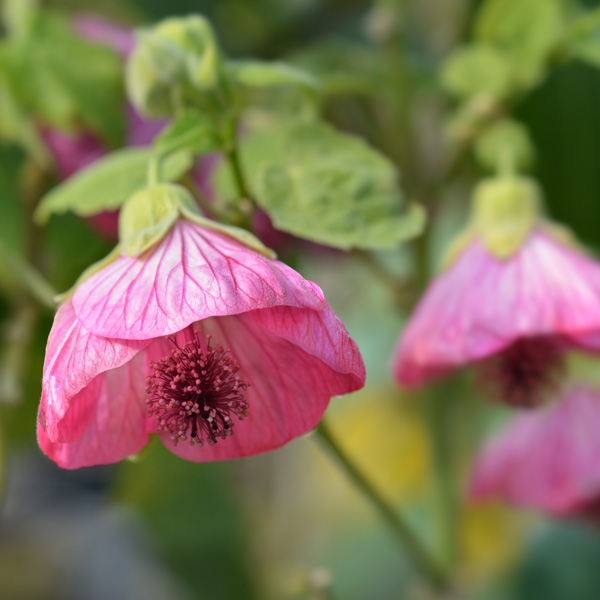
482, 304
546, 459
74, 358
116, 422
290, 386
191, 275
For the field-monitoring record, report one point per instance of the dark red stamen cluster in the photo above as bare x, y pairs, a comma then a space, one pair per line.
525, 373
195, 392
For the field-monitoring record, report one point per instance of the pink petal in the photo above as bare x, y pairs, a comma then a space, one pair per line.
546, 459
115, 426
291, 384
119, 38
482, 304
193, 274
74, 358
73, 151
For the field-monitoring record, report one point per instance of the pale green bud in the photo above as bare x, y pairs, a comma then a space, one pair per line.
174, 64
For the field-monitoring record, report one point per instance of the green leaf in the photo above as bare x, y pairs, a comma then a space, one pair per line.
505, 144
328, 187
256, 73
65, 80
476, 70
191, 131
588, 50
108, 183
344, 67
527, 30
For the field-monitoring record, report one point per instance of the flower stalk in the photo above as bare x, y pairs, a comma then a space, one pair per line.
421, 556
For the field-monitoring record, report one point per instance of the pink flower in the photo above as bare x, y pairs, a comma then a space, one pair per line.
547, 459
220, 350
520, 313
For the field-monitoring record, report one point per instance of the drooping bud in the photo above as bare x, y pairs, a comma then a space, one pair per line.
175, 64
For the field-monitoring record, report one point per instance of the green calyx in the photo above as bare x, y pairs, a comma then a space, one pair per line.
150, 213
505, 211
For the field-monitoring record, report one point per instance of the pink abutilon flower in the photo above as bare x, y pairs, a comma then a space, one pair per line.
547, 459
220, 350
514, 315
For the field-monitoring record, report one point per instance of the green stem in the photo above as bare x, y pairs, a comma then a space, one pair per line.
440, 413
154, 170
29, 277
421, 556
233, 157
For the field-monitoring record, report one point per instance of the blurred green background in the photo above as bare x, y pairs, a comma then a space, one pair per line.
288, 524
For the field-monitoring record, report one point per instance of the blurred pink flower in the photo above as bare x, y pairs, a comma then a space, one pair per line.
519, 313
185, 341
547, 459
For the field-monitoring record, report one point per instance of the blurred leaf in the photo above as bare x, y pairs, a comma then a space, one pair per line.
588, 50
343, 66
65, 80
476, 70
505, 142
329, 187
191, 131
108, 182
256, 73
526, 30
12, 221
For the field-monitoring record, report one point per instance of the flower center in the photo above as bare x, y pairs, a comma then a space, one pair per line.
524, 373
196, 393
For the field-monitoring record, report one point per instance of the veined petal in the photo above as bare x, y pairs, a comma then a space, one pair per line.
290, 387
192, 274
74, 358
482, 304
547, 459
116, 421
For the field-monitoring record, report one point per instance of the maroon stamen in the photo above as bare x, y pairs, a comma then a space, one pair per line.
525, 373
195, 392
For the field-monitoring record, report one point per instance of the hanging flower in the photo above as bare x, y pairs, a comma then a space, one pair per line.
202, 339
516, 294
547, 459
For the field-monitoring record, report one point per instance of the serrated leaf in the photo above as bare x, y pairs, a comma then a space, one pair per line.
191, 131
475, 70
108, 183
527, 30
265, 74
328, 187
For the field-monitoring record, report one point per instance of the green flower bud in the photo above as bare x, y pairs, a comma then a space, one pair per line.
176, 64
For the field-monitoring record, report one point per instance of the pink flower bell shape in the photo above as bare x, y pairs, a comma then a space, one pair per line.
516, 294
220, 350
547, 459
